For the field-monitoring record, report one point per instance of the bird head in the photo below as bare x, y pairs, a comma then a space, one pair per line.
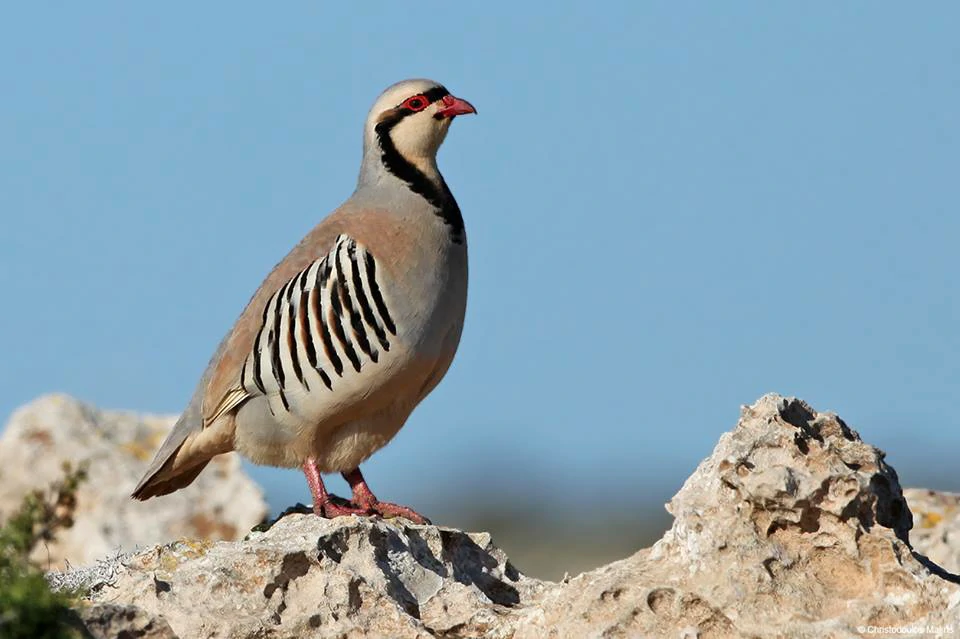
413, 117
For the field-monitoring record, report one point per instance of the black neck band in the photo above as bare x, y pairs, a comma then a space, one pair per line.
439, 196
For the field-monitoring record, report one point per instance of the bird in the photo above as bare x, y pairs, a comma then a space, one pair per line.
350, 331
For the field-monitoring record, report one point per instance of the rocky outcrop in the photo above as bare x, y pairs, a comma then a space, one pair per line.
308, 576
223, 503
792, 527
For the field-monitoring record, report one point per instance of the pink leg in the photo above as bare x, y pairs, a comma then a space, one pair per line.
364, 498
325, 504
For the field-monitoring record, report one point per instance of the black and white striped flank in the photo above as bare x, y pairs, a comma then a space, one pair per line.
328, 320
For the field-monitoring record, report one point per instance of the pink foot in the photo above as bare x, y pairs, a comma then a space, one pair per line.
387, 510
325, 504
364, 498
337, 507
364, 503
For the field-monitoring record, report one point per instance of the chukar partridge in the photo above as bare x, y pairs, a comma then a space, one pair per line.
350, 331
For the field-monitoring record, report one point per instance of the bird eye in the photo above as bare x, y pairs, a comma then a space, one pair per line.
416, 103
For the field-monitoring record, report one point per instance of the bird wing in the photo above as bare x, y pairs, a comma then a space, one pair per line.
319, 332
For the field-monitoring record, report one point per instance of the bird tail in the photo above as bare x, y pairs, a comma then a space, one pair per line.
187, 450
153, 484
192, 443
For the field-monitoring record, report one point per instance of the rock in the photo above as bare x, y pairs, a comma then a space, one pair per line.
792, 527
223, 503
308, 576
936, 526
109, 621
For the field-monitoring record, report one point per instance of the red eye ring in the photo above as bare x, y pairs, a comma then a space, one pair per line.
416, 103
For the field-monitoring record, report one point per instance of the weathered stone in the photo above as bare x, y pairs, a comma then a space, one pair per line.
223, 503
111, 621
308, 576
792, 527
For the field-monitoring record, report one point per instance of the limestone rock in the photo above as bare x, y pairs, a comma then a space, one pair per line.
308, 576
792, 527
936, 526
110, 621
223, 503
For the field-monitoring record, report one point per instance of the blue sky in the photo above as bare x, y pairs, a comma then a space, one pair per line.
671, 208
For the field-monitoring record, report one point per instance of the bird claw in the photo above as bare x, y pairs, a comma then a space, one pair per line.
339, 507
363, 504
388, 511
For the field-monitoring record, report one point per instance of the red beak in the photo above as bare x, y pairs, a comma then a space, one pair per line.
453, 106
